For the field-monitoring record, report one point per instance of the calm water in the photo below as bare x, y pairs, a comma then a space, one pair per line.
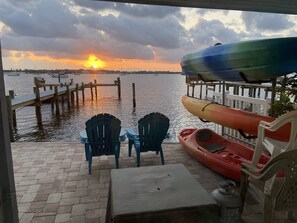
154, 93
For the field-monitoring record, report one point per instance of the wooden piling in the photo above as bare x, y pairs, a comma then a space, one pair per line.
57, 101
133, 91
10, 118
76, 92
68, 96
72, 98
83, 91
38, 106
119, 87
91, 88
95, 82
11, 94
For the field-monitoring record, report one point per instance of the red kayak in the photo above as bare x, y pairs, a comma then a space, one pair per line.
218, 153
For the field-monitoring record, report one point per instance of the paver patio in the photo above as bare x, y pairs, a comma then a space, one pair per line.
53, 184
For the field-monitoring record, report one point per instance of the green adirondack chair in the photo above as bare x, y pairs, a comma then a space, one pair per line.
103, 132
152, 130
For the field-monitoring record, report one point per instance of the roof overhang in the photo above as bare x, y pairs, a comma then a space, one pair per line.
273, 6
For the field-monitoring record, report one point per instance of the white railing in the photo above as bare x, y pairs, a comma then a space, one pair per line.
257, 105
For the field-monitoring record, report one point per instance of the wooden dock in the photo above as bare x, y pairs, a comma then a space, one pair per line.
53, 93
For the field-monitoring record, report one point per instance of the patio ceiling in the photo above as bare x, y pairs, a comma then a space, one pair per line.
274, 6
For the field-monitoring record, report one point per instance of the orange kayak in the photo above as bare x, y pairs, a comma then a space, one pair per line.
216, 152
241, 120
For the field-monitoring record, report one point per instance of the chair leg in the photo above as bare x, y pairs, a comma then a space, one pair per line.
137, 149
162, 156
117, 155
87, 150
90, 160
130, 142
243, 188
268, 210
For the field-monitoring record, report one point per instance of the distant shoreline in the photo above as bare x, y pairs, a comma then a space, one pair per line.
90, 71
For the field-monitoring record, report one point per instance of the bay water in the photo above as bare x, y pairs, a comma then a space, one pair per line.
154, 93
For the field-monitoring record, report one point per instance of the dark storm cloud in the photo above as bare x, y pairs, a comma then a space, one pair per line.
48, 19
135, 10
266, 21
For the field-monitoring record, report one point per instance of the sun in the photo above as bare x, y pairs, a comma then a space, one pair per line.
94, 62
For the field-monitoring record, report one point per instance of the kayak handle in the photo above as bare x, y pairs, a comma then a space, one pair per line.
246, 136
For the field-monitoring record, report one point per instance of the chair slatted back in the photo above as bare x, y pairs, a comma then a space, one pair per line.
103, 132
152, 130
287, 198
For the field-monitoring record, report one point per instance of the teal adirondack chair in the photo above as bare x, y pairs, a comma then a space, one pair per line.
103, 132
152, 130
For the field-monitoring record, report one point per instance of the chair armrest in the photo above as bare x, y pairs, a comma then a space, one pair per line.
267, 172
279, 122
249, 167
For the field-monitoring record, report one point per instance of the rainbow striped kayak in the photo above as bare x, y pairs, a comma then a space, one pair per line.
249, 61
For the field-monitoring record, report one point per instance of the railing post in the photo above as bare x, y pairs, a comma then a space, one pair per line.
267, 106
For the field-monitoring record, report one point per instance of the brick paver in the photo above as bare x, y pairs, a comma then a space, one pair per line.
53, 184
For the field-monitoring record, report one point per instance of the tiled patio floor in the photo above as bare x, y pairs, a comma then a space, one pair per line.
53, 184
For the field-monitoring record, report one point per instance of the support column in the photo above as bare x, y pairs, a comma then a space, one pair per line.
14, 123
8, 201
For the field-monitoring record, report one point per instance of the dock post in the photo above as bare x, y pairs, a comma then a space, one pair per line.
76, 92
72, 98
38, 106
68, 96
10, 118
57, 101
119, 87
11, 94
91, 88
193, 90
95, 82
133, 90
83, 90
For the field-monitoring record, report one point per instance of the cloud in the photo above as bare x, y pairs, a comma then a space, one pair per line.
160, 33
118, 31
266, 21
49, 19
207, 33
134, 10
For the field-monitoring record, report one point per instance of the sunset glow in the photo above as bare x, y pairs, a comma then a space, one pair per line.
94, 62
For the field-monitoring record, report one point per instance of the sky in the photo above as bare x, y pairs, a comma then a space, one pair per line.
80, 34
